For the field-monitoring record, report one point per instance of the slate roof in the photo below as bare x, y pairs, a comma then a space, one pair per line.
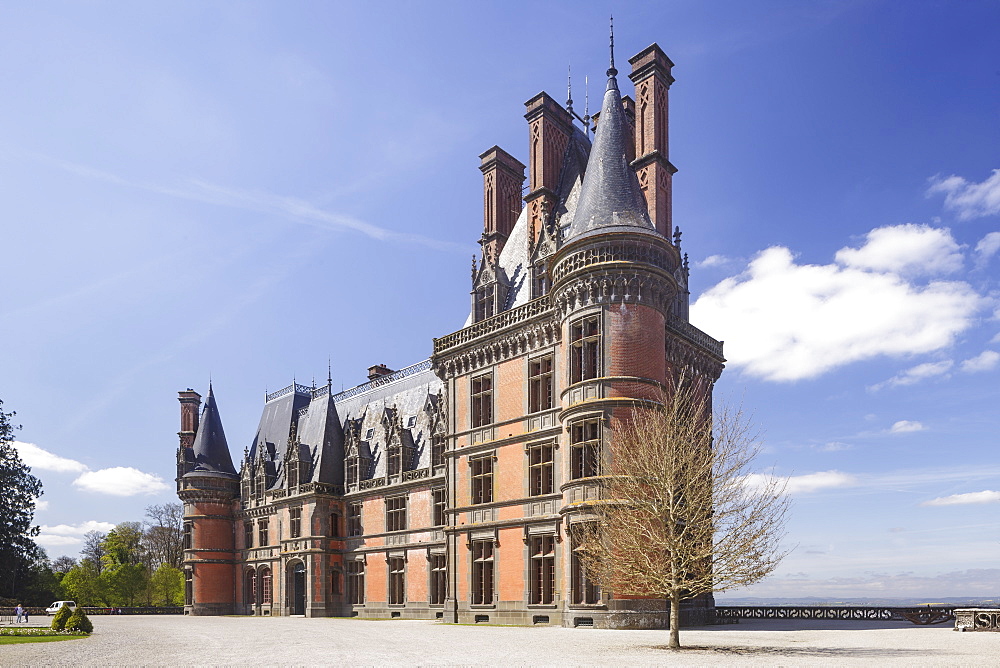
210, 449
610, 199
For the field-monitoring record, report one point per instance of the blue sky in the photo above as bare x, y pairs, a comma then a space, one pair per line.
244, 190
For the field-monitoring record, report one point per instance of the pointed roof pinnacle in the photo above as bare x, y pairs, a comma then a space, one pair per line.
211, 451
610, 197
612, 72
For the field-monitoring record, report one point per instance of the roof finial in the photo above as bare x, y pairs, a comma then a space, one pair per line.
569, 88
329, 373
586, 103
611, 70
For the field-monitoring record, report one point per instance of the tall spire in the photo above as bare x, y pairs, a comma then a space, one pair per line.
612, 72
610, 199
211, 451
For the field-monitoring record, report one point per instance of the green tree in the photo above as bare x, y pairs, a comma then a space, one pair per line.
18, 492
167, 586
82, 584
124, 576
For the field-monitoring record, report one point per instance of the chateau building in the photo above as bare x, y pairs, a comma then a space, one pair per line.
454, 488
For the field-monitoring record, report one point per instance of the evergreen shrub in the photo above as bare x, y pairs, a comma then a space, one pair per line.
60, 618
79, 621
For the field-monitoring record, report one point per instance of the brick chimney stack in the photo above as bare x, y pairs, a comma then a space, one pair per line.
652, 79
549, 129
379, 370
190, 403
503, 176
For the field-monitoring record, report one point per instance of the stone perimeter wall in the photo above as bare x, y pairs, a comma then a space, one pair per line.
977, 619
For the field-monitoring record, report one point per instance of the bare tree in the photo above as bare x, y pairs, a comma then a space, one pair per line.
683, 514
63, 564
163, 537
93, 548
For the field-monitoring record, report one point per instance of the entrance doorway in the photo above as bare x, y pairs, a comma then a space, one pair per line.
299, 589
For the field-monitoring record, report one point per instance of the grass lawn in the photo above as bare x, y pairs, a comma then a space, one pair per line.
17, 640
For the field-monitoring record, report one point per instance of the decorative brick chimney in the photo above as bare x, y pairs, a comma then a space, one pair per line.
190, 403
549, 128
379, 370
503, 176
652, 79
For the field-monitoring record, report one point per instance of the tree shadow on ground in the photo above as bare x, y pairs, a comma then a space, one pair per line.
764, 651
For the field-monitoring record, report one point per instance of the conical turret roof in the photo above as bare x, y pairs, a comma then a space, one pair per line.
610, 197
211, 451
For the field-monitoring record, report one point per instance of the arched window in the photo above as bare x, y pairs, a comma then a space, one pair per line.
249, 587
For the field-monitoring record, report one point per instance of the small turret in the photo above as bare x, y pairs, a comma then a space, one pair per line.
210, 449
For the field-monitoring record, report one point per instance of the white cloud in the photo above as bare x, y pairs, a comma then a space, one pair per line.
906, 427
37, 458
988, 247
986, 496
120, 481
909, 249
968, 200
984, 361
713, 261
41, 505
784, 321
62, 535
833, 446
916, 374
803, 484
77, 529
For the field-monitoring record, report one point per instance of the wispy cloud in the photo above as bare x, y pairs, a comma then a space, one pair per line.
289, 208
802, 484
984, 361
38, 458
968, 200
906, 427
986, 496
916, 374
987, 247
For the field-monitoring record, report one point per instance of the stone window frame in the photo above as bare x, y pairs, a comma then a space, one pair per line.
395, 579
262, 532
485, 302
437, 576
336, 524
586, 454
266, 582
541, 556
583, 592
540, 466
537, 381
355, 581
395, 512
483, 572
248, 534
585, 348
336, 581
481, 401
355, 519
439, 504
482, 481
295, 522
437, 450
250, 586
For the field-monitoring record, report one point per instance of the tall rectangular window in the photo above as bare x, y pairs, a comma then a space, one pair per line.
482, 400
485, 302
540, 469
354, 526
540, 282
395, 513
439, 499
249, 587
585, 448
187, 539
335, 528
335, 586
437, 450
585, 349
438, 565
585, 591
540, 384
295, 522
351, 472
482, 480
265, 586
262, 538
356, 582
397, 581
482, 572
543, 570
248, 535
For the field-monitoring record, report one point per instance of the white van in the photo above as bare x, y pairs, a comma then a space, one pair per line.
54, 608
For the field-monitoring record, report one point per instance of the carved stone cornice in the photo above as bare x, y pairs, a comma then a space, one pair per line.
687, 355
499, 345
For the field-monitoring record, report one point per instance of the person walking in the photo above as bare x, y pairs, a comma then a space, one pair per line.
20, 612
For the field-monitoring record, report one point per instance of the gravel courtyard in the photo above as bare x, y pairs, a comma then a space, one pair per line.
170, 640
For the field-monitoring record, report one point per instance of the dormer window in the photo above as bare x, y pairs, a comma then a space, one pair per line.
540, 281
485, 302
411, 422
